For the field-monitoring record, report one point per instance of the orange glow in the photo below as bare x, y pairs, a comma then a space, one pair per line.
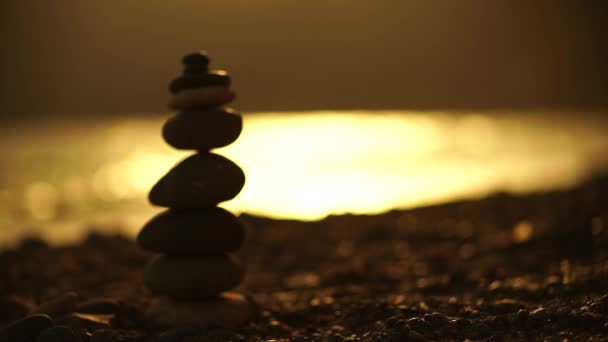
308, 165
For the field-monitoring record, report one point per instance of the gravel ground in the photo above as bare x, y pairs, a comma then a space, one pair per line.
502, 268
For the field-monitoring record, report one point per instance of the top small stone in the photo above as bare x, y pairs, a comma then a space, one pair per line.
196, 58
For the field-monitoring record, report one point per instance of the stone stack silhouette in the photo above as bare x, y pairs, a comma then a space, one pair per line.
194, 236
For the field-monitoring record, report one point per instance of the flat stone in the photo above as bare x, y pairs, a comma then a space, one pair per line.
200, 232
25, 329
197, 58
229, 310
198, 98
59, 333
203, 130
200, 181
58, 306
192, 80
192, 277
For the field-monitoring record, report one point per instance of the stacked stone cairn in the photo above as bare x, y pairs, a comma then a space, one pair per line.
194, 236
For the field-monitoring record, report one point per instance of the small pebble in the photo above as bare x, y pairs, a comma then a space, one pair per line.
88, 322
104, 335
216, 78
196, 58
58, 333
26, 328
176, 334
12, 308
228, 310
201, 98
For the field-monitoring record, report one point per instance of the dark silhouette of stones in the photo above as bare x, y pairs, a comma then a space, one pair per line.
194, 235
25, 329
192, 277
200, 181
200, 232
203, 130
193, 79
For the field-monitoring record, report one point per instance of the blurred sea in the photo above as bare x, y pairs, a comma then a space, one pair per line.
63, 177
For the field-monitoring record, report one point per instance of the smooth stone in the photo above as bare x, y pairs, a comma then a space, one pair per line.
59, 333
229, 310
215, 78
201, 232
58, 306
98, 306
198, 98
25, 329
200, 181
192, 277
203, 130
197, 58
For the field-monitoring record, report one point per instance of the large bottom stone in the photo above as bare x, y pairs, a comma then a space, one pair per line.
229, 310
192, 278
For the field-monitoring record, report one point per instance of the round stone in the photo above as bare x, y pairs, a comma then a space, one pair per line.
25, 329
196, 58
203, 130
207, 97
216, 78
59, 333
192, 277
201, 232
228, 310
200, 181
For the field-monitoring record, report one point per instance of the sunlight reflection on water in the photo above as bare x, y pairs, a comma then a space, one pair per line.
301, 165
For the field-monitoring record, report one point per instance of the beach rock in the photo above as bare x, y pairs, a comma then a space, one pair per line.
196, 58
58, 306
192, 278
198, 98
25, 329
203, 232
98, 306
193, 78
90, 322
203, 130
59, 333
200, 181
229, 310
